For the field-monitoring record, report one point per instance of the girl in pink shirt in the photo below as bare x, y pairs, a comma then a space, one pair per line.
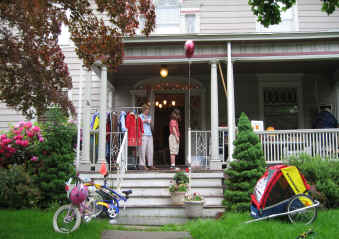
174, 138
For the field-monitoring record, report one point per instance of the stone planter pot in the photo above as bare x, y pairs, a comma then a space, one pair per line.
194, 209
178, 198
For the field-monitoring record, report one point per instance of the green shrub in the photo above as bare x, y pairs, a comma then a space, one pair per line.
323, 174
56, 158
248, 166
17, 189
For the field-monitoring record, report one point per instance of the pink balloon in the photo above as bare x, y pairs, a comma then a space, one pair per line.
189, 48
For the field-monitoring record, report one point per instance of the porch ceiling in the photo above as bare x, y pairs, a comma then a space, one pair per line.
307, 67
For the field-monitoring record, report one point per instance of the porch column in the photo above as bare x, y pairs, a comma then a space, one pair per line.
103, 115
230, 104
214, 117
86, 119
203, 109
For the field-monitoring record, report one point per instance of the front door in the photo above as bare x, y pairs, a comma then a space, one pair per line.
164, 105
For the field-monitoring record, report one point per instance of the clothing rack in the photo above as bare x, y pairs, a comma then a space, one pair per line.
133, 151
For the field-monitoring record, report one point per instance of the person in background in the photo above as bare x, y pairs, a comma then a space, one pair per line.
325, 119
174, 137
146, 149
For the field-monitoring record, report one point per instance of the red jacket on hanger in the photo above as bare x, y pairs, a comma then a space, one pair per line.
135, 129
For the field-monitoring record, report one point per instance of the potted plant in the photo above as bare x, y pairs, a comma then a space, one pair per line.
194, 205
178, 188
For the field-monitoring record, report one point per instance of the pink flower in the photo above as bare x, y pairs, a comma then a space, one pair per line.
41, 139
28, 125
2, 137
34, 158
30, 133
21, 123
36, 129
18, 137
12, 150
24, 143
18, 142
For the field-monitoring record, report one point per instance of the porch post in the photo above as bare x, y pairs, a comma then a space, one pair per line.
230, 104
214, 117
103, 112
203, 109
86, 119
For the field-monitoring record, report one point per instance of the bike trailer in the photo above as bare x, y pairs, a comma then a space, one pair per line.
275, 189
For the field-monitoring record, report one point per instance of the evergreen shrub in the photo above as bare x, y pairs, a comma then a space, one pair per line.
321, 173
56, 157
248, 166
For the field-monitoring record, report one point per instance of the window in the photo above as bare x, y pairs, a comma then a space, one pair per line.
167, 17
190, 22
289, 22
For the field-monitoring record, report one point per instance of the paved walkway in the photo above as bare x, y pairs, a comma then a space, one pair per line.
144, 235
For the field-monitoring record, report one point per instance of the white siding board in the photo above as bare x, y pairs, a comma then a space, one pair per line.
226, 17
311, 18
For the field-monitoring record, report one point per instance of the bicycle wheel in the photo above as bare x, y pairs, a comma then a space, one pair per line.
301, 201
91, 203
66, 219
112, 212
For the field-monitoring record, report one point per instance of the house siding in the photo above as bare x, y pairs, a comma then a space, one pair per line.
9, 117
311, 18
232, 16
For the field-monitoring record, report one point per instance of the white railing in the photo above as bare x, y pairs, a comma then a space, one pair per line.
281, 144
277, 145
122, 160
200, 141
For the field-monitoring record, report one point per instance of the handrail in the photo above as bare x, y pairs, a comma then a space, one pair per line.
122, 162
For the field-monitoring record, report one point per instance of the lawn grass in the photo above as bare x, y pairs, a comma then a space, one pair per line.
38, 224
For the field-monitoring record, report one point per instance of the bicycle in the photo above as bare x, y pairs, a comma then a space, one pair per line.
68, 217
107, 199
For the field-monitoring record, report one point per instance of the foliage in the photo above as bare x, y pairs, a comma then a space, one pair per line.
17, 189
194, 197
179, 182
323, 174
269, 11
33, 72
19, 143
56, 158
248, 166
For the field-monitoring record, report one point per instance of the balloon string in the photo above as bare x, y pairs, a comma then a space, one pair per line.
189, 94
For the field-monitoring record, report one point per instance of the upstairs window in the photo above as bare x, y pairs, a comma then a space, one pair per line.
167, 17
190, 23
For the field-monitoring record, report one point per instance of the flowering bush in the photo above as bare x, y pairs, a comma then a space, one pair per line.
17, 145
179, 183
194, 197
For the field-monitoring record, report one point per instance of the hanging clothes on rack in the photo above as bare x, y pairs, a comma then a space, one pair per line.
135, 129
122, 119
94, 138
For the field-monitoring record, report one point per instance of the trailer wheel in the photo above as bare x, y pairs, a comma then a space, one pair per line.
297, 214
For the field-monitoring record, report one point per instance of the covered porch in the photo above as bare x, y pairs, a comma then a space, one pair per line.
280, 82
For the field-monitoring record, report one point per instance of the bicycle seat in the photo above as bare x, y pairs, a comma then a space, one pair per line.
128, 192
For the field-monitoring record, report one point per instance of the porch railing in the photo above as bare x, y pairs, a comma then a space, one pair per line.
122, 160
116, 152
277, 145
281, 144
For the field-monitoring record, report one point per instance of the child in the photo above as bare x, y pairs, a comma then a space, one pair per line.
174, 138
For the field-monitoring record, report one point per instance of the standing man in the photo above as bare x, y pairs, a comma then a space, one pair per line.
146, 149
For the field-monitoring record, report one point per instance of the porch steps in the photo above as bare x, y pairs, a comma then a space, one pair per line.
151, 198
